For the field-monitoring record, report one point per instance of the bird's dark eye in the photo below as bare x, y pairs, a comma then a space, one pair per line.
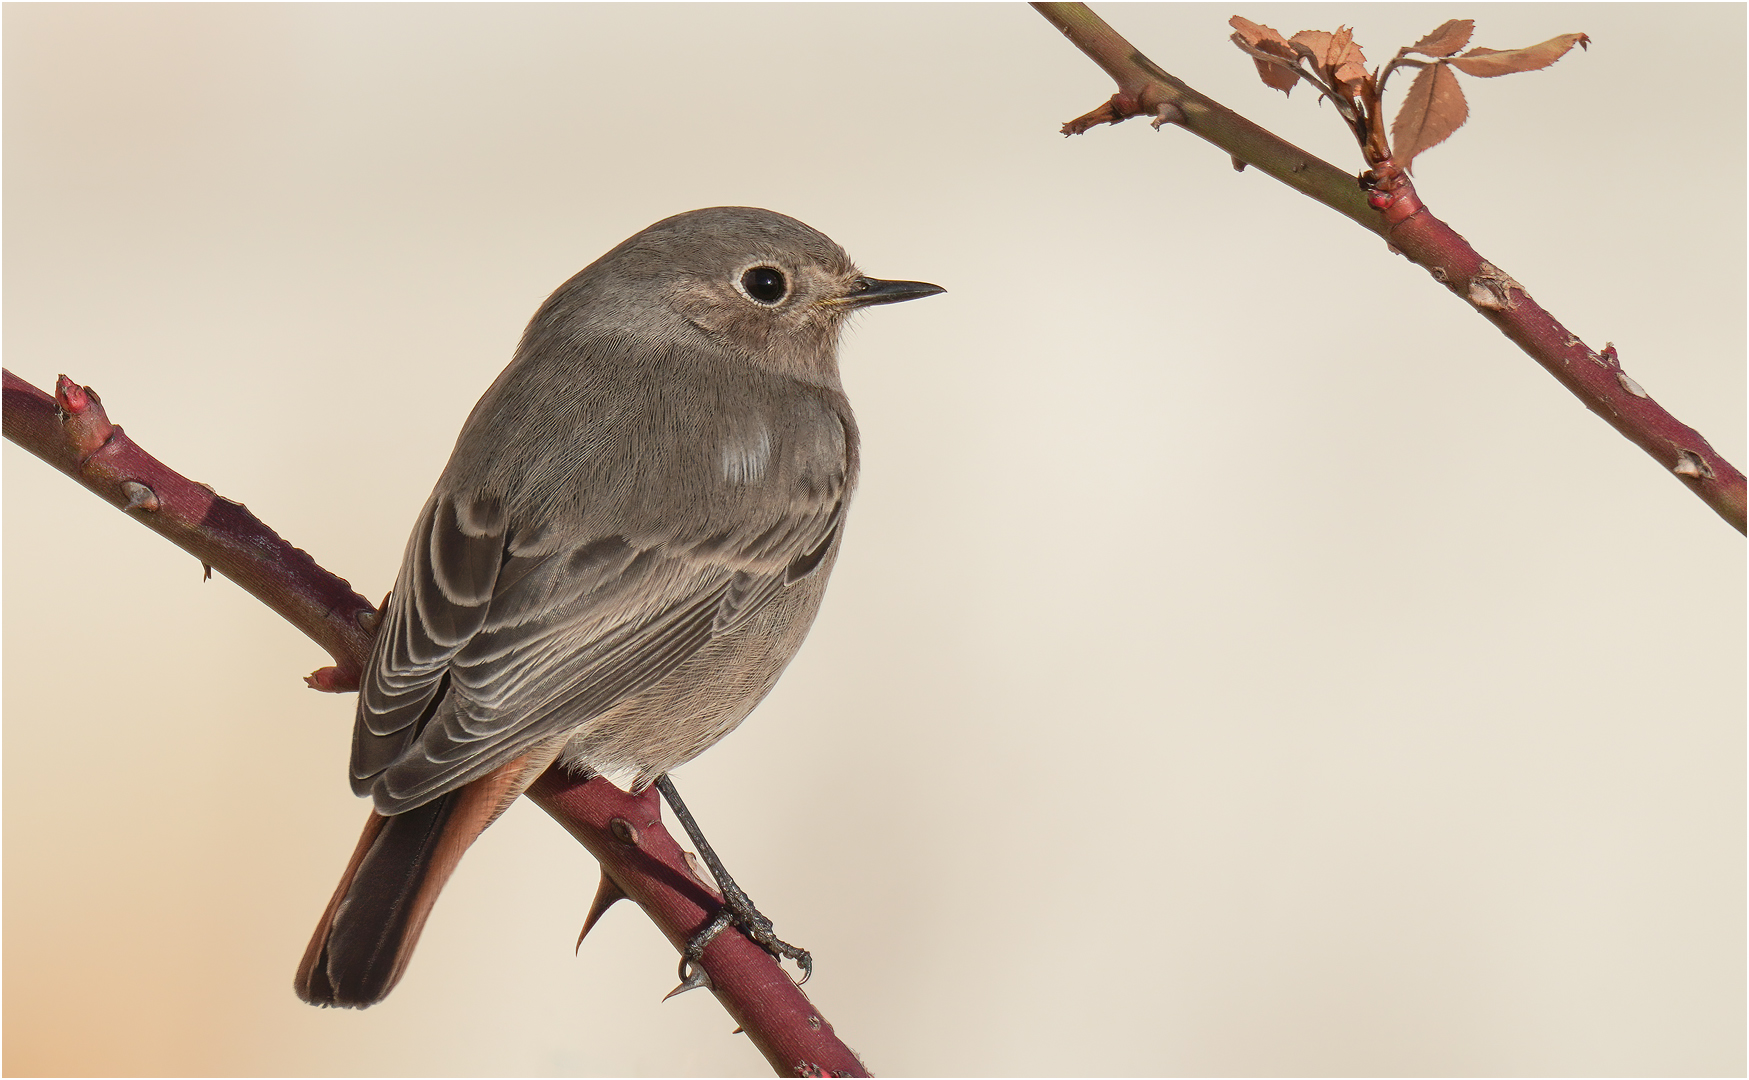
765, 284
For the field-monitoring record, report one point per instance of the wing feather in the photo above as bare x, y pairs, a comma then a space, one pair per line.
561, 638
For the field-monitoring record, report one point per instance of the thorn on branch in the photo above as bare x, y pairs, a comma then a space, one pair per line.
1491, 288
140, 497
1630, 385
698, 871
1692, 466
695, 977
1121, 107
70, 397
332, 680
83, 420
1166, 113
607, 894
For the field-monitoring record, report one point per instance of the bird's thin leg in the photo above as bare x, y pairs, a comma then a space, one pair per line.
737, 909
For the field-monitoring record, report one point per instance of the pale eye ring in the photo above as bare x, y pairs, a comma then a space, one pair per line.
765, 285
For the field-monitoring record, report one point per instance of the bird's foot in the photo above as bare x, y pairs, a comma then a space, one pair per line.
738, 911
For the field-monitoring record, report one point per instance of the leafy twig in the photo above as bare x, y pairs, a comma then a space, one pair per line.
1384, 201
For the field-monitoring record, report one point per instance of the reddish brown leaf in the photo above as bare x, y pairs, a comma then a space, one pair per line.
1343, 60
1449, 38
1264, 39
1337, 51
1349, 75
1488, 63
1255, 34
1344, 49
1314, 45
1433, 109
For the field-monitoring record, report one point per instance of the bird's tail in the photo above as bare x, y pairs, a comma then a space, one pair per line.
367, 935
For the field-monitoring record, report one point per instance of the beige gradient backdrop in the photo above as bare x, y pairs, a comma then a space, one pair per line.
1242, 659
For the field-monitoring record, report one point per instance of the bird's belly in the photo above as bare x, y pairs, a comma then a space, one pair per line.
662, 728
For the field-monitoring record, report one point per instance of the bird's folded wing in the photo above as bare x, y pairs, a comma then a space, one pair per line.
486, 650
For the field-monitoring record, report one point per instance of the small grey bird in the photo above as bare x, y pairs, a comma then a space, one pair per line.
625, 550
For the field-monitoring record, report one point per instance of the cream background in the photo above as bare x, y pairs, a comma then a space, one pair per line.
1242, 659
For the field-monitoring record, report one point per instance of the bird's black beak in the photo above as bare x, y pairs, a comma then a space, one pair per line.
868, 291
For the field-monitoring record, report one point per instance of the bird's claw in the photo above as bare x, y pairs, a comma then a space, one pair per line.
738, 910
781, 950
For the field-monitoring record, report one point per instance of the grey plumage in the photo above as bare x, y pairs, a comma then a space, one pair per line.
627, 547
